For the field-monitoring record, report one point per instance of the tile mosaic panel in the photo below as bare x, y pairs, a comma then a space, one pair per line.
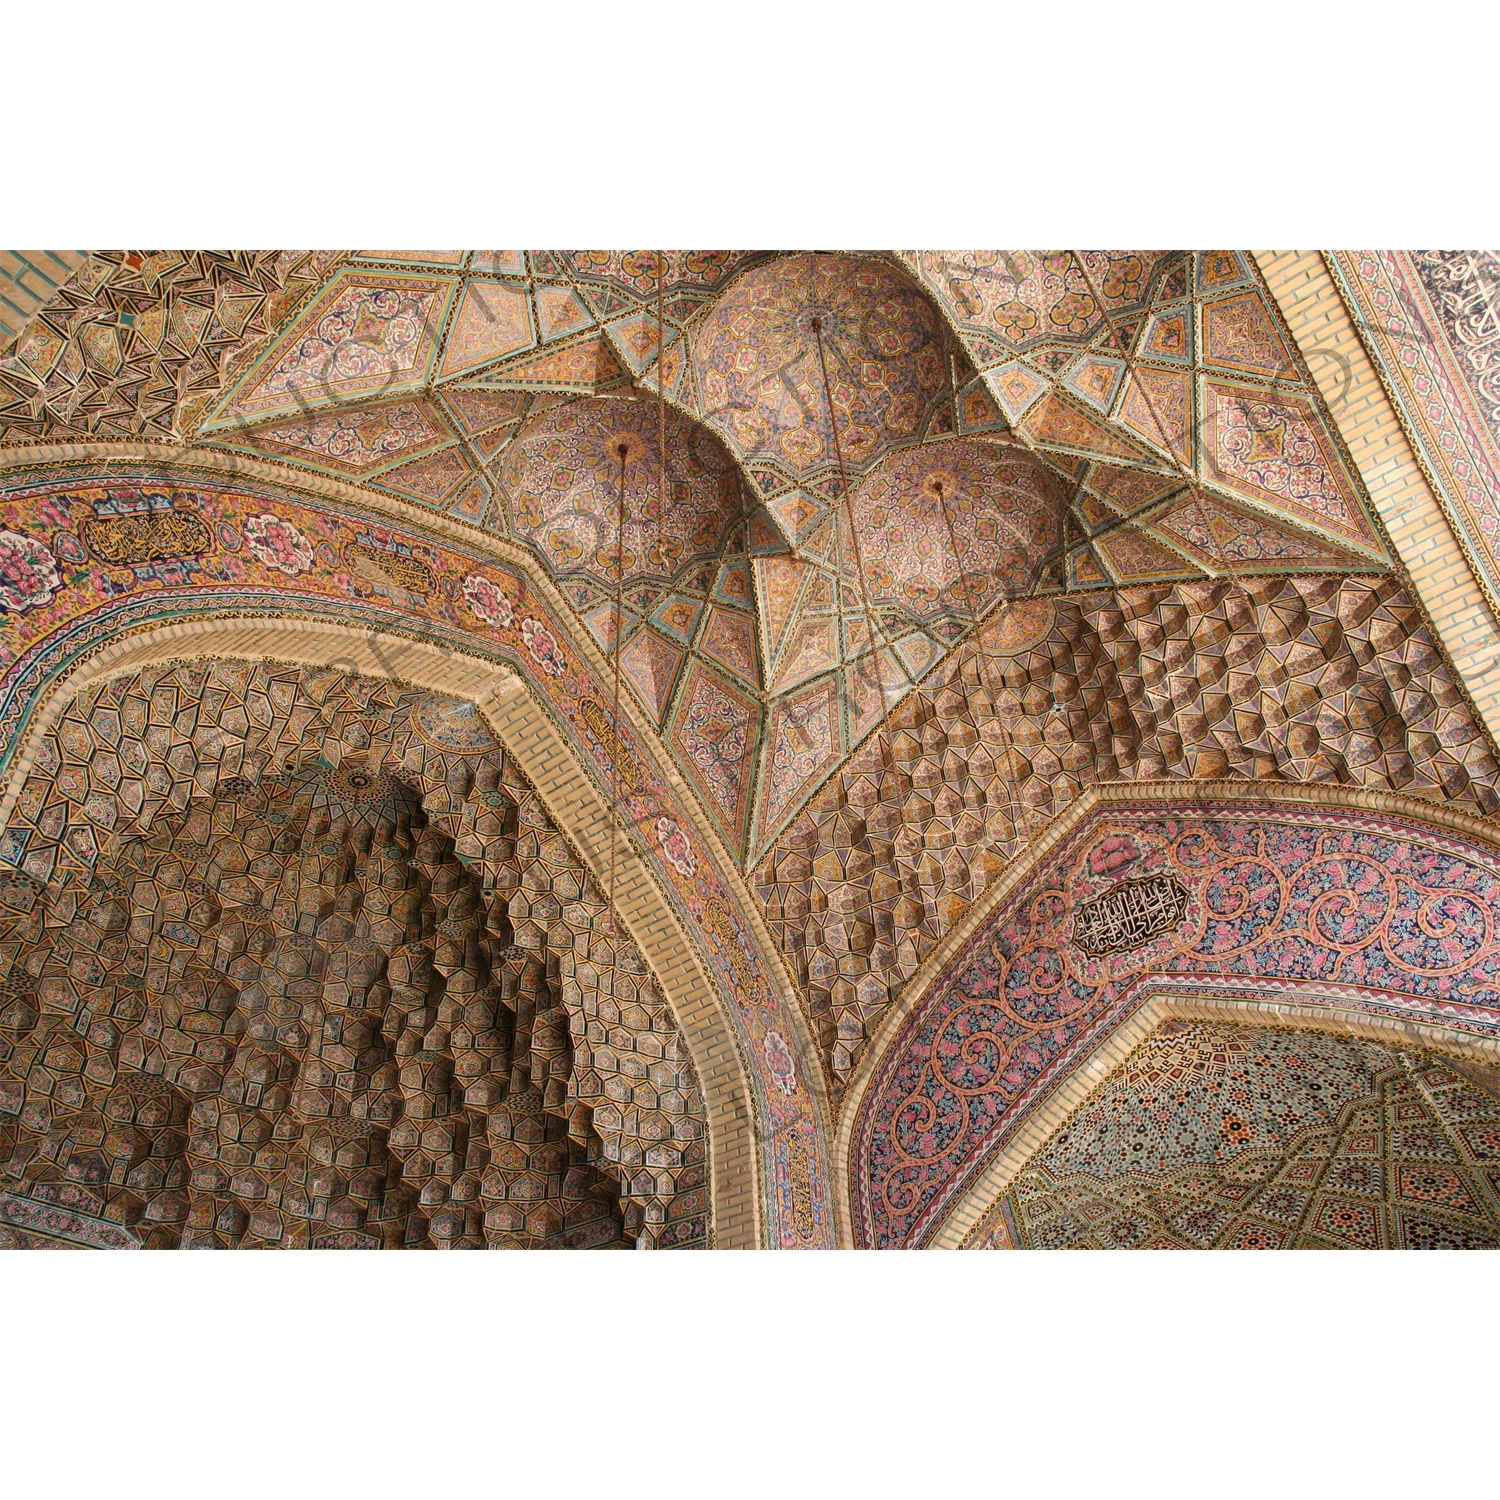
1376, 914
757, 354
138, 343
1253, 1138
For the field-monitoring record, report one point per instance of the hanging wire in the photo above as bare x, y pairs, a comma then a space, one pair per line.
976, 615
661, 405
1117, 342
875, 625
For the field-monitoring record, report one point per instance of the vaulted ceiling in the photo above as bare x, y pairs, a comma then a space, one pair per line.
894, 557
807, 476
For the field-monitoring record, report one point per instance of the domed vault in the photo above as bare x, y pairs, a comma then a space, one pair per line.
851, 579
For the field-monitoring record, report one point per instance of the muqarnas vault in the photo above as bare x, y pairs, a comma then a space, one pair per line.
676, 749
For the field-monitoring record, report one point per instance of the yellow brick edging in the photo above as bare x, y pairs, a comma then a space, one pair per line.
1371, 429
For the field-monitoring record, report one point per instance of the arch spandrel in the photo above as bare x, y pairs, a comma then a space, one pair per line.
488, 617
1331, 901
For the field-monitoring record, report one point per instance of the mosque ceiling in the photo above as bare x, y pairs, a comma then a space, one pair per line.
893, 556
1321, 911
857, 458
1300, 680
1249, 1138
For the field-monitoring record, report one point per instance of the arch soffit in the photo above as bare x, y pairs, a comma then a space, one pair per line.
972, 1207
743, 1217
1158, 1002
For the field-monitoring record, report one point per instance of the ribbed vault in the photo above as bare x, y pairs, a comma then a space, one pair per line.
844, 575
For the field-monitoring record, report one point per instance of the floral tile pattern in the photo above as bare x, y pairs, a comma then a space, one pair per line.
1383, 915
1245, 1138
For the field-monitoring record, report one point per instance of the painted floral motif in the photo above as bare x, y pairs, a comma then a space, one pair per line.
803, 743
1402, 919
1024, 296
730, 639
995, 504
487, 601
645, 272
1275, 450
715, 733
278, 544
1238, 333
364, 337
779, 1063
452, 724
99, 605
1427, 316
563, 475
676, 847
1216, 531
492, 321
758, 357
1114, 853
354, 442
28, 572
543, 647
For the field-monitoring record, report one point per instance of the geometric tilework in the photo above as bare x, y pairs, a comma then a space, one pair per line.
137, 343
569, 485
864, 722
446, 379
1185, 375
1242, 1138
366, 335
1301, 679
994, 504
28, 278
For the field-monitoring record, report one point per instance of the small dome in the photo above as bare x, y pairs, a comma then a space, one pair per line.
757, 354
1003, 508
562, 480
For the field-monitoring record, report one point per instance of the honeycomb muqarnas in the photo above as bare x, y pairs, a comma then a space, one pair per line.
1296, 679
373, 1003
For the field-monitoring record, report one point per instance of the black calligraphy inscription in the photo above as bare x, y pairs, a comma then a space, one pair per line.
1129, 915
145, 536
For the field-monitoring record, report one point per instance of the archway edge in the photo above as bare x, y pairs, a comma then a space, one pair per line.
973, 1207
1210, 793
565, 790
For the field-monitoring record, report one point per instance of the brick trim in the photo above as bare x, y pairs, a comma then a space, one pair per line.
1371, 429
